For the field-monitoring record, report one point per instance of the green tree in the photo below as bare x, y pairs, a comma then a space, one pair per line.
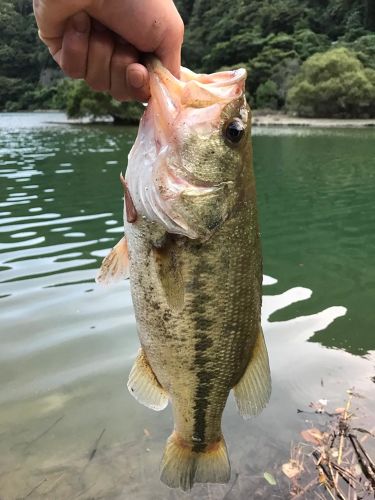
22, 55
333, 84
80, 101
364, 47
267, 95
271, 38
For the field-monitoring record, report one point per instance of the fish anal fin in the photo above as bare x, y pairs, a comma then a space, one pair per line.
253, 391
144, 386
181, 467
116, 265
170, 275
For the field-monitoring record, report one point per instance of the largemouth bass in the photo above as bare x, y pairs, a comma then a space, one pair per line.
192, 251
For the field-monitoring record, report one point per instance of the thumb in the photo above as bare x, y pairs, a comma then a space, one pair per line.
169, 51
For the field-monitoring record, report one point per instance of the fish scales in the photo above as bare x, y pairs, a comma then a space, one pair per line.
208, 336
194, 260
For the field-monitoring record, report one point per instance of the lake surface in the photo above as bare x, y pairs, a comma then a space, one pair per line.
68, 427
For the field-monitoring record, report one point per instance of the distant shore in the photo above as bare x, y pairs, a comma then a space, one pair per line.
268, 120
259, 119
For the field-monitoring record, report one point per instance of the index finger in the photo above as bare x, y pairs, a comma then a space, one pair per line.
150, 26
51, 17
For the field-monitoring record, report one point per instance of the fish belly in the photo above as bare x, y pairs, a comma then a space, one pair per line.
199, 349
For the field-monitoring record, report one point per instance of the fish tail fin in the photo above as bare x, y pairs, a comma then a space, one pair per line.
181, 467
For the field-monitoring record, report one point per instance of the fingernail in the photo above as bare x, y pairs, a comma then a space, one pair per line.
81, 22
135, 78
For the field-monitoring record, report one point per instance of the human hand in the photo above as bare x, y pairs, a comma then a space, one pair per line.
102, 41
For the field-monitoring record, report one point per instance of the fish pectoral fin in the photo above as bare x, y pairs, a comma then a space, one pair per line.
144, 386
116, 265
170, 276
181, 467
253, 391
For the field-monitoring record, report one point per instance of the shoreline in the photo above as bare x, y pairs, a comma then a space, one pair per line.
281, 120
259, 119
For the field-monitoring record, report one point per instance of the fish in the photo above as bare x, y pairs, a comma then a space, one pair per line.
192, 252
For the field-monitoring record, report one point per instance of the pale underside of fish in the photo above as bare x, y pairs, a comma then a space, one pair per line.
192, 252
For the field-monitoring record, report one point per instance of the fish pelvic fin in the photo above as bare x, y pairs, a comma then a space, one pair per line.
144, 386
181, 467
253, 391
116, 265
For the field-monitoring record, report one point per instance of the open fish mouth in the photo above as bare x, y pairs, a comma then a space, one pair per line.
161, 176
196, 100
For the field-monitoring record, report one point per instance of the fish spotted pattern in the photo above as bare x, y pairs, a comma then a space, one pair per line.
192, 252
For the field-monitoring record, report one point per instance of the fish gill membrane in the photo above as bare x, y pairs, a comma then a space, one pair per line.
192, 253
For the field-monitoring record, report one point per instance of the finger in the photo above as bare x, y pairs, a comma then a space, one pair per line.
98, 74
153, 26
54, 46
51, 19
75, 46
122, 56
137, 80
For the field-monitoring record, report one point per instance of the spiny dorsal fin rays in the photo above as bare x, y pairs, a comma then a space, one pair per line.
116, 265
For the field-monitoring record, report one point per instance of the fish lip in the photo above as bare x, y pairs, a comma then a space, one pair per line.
235, 76
154, 65
173, 94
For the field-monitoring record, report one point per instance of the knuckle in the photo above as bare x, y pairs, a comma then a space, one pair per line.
73, 61
119, 62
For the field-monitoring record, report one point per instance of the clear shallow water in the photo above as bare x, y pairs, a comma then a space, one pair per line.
67, 345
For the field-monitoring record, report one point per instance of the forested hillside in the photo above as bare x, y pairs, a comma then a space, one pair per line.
22, 56
271, 38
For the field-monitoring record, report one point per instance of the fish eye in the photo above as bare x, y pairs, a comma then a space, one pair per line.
234, 131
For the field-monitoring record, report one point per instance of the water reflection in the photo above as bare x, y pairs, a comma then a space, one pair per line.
67, 345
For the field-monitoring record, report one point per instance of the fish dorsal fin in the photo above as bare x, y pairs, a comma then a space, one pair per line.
116, 265
253, 391
170, 275
144, 386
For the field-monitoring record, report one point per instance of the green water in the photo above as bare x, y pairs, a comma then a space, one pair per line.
67, 345
316, 194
